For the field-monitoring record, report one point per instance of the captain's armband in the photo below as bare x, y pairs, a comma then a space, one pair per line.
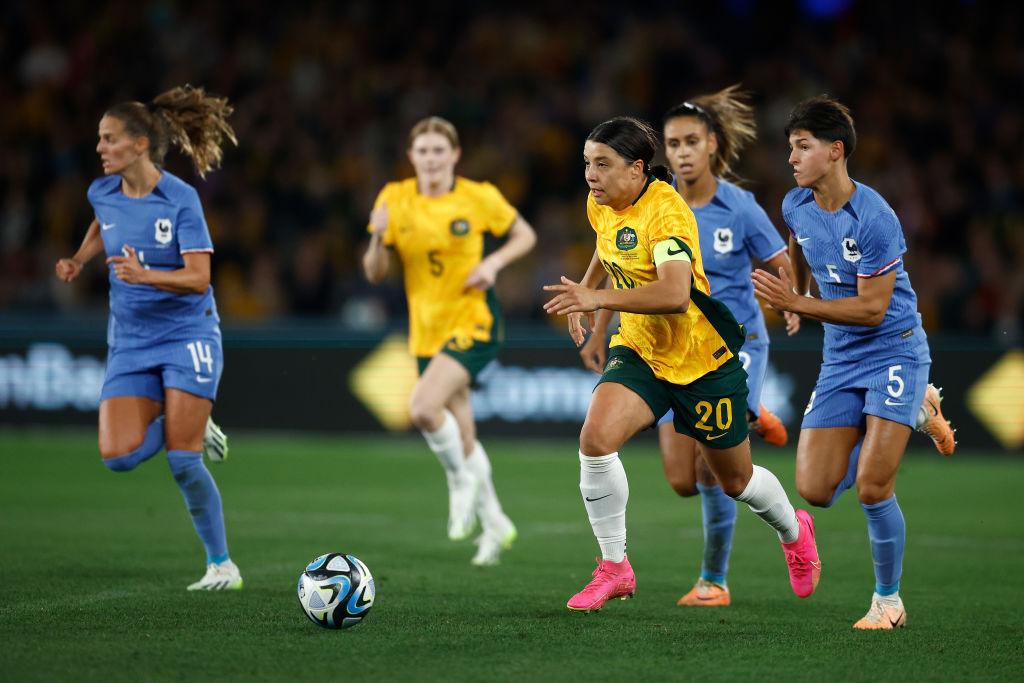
672, 249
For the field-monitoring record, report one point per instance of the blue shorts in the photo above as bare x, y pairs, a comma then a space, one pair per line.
193, 366
754, 358
889, 385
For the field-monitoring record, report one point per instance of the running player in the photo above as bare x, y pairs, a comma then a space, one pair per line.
165, 360
874, 374
703, 138
677, 348
436, 221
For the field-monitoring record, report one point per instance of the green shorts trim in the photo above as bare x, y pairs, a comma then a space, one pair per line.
472, 354
712, 409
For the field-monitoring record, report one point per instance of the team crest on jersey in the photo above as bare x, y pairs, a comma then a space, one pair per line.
459, 227
851, 252
723, 240
163, 230
625, 239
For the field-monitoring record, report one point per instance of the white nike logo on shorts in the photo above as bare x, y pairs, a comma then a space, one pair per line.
107, 226
890, 402
801, 240
203, 380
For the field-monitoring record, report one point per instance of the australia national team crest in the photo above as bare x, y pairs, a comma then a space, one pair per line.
163, 230
459, 227
723, 240
625, 239
851, 252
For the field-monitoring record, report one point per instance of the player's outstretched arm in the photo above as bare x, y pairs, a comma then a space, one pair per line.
670, 293
520, 240
92, 244
376, 260
867, 308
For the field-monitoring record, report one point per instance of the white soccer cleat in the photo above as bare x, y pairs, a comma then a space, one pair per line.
886, 614
492, 542
462, 493
215, 442
219, 577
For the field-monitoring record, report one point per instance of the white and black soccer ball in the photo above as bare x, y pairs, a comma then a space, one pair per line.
336, 590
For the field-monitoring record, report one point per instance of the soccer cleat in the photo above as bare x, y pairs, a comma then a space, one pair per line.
215, 442
770, 428
611, 580
802, 557
219, 577
885, 615
462, 492
492, 542
930, 421
705, 594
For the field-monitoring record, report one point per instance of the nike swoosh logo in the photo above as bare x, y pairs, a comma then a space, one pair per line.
894, 622
890, 402
107, 226
677, 251
591, 500
716, 436
801, 240
816, 565
203, 380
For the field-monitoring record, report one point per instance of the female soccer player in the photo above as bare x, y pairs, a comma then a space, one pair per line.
165, 359
703, 138
676, 349
436, 222
874, 373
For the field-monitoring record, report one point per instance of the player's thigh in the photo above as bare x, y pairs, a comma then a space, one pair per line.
461, 407
884, 444
731, 466
123, 423
441, 379
754, 358
193, 366
678, 458
616, 413
822, 459
185, 417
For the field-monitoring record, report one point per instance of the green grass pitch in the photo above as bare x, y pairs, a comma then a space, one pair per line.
93, 569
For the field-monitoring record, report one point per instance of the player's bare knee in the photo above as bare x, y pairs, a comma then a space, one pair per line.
734, 485
596, 441
815, 493
684, 487
425, 415
869, 492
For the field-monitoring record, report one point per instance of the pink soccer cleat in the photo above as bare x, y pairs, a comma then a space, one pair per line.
611, 580
802, 557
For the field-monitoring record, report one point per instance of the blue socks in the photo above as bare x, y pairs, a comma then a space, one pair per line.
888, 534
851, 474
719, 521
203, 501
152, 442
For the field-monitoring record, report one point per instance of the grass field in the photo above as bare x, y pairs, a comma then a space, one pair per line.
94, 567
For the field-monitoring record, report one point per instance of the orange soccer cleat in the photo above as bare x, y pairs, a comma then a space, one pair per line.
705, 594
931, 421
770, 428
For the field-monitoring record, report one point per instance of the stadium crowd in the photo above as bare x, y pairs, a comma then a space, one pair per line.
325, 94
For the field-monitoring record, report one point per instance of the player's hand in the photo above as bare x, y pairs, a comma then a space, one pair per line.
792, 322
571, 297
68, 269
595, 352
483, 276
128, 268
576, 330
379, 220
777, 291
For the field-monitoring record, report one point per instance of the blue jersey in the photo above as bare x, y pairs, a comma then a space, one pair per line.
733, 229
161, 226
862, 239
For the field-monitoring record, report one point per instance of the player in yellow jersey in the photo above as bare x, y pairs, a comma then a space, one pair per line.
676, 349
436, 223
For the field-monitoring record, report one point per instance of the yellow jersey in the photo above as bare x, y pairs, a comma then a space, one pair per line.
440, 240
679, 347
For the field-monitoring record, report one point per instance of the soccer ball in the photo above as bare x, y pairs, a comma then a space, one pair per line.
336, 590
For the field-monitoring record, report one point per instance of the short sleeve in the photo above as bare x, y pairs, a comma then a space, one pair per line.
386, 195
498, 215
881, 245
762, 240
673, 219
193, 233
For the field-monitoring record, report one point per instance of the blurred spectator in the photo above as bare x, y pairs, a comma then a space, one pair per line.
325, 94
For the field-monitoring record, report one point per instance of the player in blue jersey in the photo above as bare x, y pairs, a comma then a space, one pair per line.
164, 358
703, 139
874, 373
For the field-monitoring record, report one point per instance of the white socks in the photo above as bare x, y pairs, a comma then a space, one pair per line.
605, 492
488, 508
767, 499
446, 443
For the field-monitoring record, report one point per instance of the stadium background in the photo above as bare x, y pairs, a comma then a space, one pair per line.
324, 95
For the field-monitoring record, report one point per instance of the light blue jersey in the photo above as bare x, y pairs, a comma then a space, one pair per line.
161, 227
863, 239
734, 229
